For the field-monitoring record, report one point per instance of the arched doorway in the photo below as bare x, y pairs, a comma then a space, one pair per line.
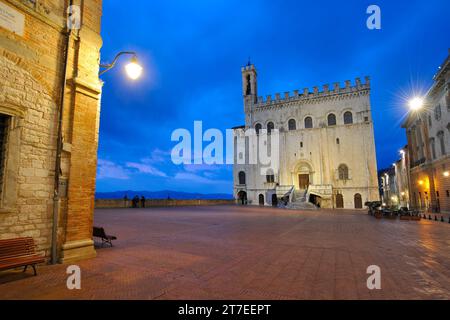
339, 200
242, 197
261, 199
358, 201
274, 200
302, 175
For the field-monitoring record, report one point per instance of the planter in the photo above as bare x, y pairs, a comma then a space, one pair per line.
415, 218
405, 218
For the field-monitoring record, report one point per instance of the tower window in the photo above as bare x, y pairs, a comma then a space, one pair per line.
348, 117
292, 125
337, 141
301, 144
249, 86
270, 127
258, 128
308, 123
331, 119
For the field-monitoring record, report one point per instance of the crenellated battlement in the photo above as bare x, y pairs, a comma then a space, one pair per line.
306, 93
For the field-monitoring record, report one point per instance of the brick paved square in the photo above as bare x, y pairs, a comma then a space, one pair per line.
237, 252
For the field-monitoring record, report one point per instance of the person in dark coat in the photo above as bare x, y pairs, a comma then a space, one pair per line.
135, 201
142, 202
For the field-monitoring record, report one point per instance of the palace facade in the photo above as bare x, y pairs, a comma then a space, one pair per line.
326, 146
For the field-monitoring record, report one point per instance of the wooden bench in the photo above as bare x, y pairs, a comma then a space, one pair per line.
100, 233
19, 252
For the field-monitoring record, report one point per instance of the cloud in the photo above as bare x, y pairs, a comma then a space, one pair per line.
146, 168
157, 156
109, 170
194, 178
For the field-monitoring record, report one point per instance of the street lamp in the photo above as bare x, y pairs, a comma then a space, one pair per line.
133, 68
415, 103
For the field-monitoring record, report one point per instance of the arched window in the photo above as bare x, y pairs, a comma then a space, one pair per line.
241, 177
292, 125
331, 119
270, 127
440, 135
308, 123
348, 117
343, 172
258, 128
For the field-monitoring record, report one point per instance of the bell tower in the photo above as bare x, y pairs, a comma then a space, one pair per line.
249, 86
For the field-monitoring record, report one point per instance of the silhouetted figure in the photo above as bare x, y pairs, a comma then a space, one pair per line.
125, 201
135, 201
142, 202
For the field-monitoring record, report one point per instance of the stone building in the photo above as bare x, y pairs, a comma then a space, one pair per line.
49, 88
326, 143
428, 134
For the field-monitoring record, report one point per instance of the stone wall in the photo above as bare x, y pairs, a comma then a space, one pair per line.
120, 203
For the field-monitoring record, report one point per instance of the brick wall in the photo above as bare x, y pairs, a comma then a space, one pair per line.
31, 74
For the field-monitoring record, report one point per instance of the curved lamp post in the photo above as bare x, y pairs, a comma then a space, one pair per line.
133, 68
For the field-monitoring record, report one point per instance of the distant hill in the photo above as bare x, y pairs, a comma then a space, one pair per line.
164, 194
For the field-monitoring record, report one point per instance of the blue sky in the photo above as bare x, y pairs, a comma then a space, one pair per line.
192, 52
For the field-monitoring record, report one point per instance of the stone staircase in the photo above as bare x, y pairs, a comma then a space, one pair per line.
300, 201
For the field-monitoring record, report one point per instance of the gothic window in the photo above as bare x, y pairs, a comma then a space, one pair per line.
433, 148
348, 117
270, 127
241, 177
258, 128
343, 172
337, 141
441, 141
437, 112
429, 121
292, 124
308, 123
331, 119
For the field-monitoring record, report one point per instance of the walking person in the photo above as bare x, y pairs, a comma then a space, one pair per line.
142, 202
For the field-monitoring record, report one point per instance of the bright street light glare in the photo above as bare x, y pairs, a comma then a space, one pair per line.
133, 69
416, 103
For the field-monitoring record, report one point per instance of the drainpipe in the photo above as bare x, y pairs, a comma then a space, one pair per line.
56, 196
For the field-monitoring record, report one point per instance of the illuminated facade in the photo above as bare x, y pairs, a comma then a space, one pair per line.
326, 146
428, 134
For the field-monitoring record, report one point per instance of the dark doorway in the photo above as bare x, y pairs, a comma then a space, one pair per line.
261, 199
242, 197
339, 201
316, 200
274, 200
303, 181
358, 201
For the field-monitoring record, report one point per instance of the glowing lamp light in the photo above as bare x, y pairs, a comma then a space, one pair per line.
402, 193
446, 174
415, 103
133, 69
420, 182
